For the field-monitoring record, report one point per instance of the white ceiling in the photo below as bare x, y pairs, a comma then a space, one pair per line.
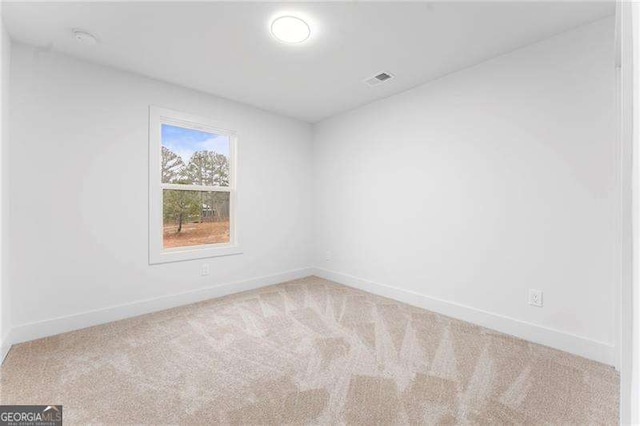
226, 49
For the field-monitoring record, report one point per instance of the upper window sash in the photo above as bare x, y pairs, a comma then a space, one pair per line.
215, 131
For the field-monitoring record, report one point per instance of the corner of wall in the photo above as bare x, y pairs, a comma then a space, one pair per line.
5, 318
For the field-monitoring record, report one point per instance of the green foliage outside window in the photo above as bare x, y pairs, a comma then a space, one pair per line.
205, 168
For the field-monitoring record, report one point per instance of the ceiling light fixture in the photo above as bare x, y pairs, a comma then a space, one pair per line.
290, 29
85, 37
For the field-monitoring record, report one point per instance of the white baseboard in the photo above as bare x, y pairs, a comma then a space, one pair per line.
591, 349
4, 346
36, 330
582, 346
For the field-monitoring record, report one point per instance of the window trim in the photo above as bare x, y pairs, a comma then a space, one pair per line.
157, 254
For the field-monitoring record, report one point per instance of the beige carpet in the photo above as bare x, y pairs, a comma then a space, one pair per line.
307, 351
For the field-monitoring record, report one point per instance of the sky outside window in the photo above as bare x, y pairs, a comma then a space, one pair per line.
184, 142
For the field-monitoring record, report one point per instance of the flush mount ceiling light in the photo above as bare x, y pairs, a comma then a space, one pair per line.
84, 37
290, 29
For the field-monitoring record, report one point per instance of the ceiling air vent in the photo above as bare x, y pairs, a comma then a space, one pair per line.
378, 79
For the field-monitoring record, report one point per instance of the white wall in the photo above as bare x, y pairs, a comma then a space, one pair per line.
79, 204
5, 58
465, 192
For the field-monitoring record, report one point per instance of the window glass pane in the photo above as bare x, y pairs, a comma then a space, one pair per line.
193, 218
194, 157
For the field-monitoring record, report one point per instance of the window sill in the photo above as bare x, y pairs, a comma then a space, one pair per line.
192, 253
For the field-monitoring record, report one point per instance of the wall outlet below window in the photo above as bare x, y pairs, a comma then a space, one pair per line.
535, 297
205, 269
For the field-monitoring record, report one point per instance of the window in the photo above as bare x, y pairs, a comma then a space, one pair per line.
192, 193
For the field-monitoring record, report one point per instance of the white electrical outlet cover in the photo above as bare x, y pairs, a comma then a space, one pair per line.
205, 269
535, 297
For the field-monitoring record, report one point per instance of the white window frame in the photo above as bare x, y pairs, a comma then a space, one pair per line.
157, 253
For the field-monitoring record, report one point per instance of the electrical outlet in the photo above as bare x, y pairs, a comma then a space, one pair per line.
535, 297
205, 269
327, 255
